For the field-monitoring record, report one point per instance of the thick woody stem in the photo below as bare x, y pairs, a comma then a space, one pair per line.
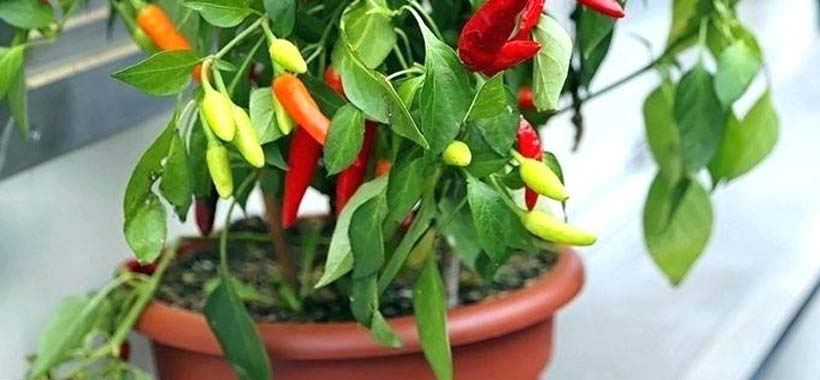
277, 234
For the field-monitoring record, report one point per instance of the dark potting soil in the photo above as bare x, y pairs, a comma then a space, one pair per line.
252, 262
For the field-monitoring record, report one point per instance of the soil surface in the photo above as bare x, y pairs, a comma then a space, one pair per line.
252, 262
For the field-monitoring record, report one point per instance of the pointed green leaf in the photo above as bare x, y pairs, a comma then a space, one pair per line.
26, 14
162, 74
145, 231
430, 308
662, 134
551, 63
747, 142
370, 32
737, 68
176, 186
344, 139
221, 13
490, 100
700, 118
11, 62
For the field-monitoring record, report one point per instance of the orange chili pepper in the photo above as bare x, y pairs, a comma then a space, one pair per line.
162, 31
300, 105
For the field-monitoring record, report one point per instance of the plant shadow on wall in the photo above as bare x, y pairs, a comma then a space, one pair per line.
406, 115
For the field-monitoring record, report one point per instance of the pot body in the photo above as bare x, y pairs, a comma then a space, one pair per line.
509, 337
522, 355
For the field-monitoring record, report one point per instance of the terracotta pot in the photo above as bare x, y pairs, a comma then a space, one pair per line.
507, 338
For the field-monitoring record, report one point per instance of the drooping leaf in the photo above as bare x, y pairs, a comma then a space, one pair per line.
344, 139
370, 91
145, 231
430, 309
551, 64
283, 15
263, 116
221, 13
747, 142
11, 62
677, 224
236, 332
497, 226
366, 237
26, 14
662, 134
446, 95
700, 118
339, 257
369, 29
490, 100
176, 186
737, 68
162, 74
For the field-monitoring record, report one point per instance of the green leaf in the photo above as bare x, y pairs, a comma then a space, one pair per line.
676, 227
594, 29
176, 186
145, 231
200, 177
236, 333
490, 100
26, 14
499, 131
162, 74
221, 13
486, 160
329, 101
430, 308
283, 15
370, 91
747, 142
11, 62
551, 63
18, 102
366, 237
461, 233
64, 332
369, 29
493, 221
364, 299
737, 68
344, 139
147, 171
686, 21
700, 118
263, 116
273, 157
446, 95
662, 134
339, 257
383, 333
408, 88
404, 188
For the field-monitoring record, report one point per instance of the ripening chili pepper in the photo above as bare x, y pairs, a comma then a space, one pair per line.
351, 178
611, 8
205, 212
134, 266
541, 178
303, 158
485, 45
383, 167
529, 145
162, 31
246, 140
550, 228
300, 105
334, 81
219, 166
529, 19
217, 110
525, 98
125, 351
457, 154
287, 55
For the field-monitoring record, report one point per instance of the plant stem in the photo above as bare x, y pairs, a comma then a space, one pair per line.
223, 237
239, 37
452, 277
273, 214
614, 85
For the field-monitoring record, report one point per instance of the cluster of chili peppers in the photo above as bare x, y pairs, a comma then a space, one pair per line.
498, 36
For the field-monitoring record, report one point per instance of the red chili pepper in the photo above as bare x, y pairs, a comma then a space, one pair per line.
334, 80
611, 8
529, 19
529, 144
525, 97
485, 45
205, 213
351, 178
303, 158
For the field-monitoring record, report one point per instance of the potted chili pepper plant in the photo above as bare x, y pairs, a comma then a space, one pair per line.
444, 251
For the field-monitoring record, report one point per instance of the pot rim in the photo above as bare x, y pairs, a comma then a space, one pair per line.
491, 318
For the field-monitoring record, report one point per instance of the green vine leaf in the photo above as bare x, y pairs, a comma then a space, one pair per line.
162, 74
551, 63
